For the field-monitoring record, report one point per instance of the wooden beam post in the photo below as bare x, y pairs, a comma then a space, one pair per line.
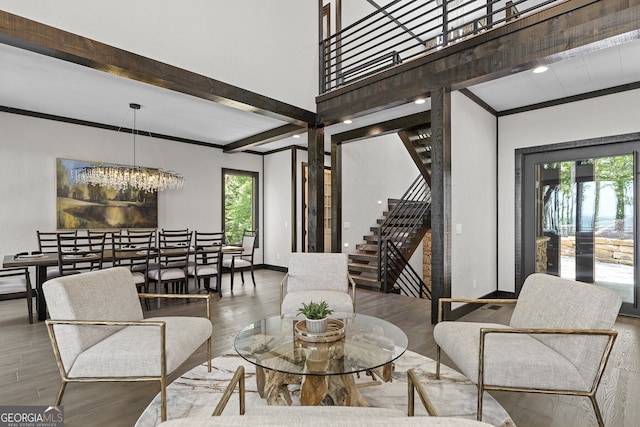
440, 197
315, 209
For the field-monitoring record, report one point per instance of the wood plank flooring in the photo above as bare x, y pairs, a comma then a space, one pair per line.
29, 375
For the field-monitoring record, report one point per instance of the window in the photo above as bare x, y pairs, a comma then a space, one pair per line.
239, 203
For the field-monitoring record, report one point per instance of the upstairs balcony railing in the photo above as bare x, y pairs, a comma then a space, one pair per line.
405, 29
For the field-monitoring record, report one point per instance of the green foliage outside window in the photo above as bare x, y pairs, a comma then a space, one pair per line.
239, 204
615, 173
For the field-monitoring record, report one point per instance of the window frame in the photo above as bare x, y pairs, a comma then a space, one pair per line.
255, 196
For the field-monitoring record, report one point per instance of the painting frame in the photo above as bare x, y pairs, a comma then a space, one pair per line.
89, 206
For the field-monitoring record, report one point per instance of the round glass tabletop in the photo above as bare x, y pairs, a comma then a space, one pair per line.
368, 343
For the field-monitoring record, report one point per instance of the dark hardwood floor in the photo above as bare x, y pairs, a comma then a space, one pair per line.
29, 375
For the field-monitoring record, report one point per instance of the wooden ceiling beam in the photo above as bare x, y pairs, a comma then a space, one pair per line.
50, 41
266, 137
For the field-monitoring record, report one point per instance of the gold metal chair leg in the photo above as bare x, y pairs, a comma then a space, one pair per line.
596, 409
411, 404
61, 392
163, 399
415, 386
209, 354
480, 396
238, 378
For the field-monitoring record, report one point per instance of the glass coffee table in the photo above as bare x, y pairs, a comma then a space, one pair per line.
323, 365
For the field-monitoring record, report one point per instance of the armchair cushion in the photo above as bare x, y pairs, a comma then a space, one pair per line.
505, 354
116, 357
236, 261
310, 271
314, 416
339, 302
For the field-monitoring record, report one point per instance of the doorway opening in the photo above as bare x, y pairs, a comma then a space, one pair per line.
579, 217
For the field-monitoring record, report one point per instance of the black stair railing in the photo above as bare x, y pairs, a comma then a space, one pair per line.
400, 226
398, 271
406, 29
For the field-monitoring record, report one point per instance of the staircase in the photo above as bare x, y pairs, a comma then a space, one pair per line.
418, 144
364, 265
380, 263
402, 226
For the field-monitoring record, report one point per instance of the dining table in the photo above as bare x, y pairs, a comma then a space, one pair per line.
42, 261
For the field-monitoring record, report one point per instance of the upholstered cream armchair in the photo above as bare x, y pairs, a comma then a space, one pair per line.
98, 332
318, 277
557, 342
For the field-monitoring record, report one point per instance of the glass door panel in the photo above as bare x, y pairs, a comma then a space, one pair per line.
585, 221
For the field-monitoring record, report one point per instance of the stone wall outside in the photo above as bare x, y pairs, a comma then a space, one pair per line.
614, 251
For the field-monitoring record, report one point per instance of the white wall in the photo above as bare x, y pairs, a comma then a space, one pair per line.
615, 114
277, 206
278, 221
473, 199
268, 47
28, 151
373, 170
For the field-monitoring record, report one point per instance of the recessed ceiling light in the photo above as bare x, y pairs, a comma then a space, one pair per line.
420, 101
347, 122
540, 69
296, 136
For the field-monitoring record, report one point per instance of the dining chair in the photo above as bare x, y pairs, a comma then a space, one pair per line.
17, 281
175, 230
243, 260
137, 231
173, 261
48, 243
134, 251
134, 231
95, 236
80, 253
208, 259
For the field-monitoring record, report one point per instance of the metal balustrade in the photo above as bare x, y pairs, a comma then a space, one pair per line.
403, 30
394, 236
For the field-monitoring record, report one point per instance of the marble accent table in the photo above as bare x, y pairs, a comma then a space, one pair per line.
197, 392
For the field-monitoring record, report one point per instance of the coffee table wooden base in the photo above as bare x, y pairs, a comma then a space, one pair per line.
336, 390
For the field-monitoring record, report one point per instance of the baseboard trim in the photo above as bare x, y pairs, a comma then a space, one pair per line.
457, 313
274, 268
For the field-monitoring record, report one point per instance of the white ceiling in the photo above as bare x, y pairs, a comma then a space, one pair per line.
42, 84
584, 73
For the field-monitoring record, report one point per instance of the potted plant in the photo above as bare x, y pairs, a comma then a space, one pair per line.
316, 314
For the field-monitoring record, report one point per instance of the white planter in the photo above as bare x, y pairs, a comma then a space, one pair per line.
317, 326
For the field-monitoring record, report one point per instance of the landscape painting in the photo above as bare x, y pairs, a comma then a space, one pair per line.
84, 206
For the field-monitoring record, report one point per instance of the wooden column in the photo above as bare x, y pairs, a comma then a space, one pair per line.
336, 197
440, 197
315, 216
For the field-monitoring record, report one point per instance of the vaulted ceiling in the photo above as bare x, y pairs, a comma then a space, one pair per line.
47, 78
